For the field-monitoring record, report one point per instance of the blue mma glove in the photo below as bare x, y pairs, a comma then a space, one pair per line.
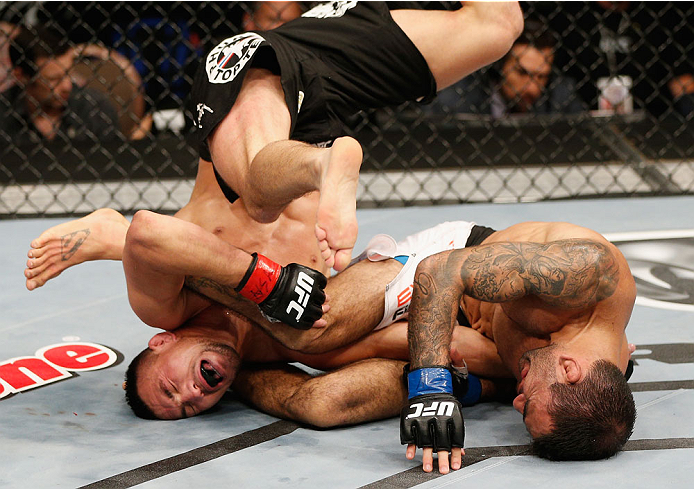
432, 417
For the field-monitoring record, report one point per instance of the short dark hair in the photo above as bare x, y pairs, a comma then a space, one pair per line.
592, 419
33, 43
537, 34
132, 397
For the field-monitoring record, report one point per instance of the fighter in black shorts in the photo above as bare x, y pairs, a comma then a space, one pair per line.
264, 101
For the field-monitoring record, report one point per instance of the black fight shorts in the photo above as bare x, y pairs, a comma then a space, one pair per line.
335, 60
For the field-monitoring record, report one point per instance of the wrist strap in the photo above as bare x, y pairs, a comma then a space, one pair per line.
260, 279
429, 380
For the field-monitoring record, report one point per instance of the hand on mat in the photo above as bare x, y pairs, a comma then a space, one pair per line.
432, 418
445, 465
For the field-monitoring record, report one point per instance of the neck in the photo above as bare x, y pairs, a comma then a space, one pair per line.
220, 325
594, 343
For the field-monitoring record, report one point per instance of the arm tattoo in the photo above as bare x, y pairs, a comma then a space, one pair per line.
70, 243
565, 273
434, 299
210, 288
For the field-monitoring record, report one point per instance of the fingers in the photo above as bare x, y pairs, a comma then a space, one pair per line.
320, 323
456, 458
427, 459
445, 464
444, 467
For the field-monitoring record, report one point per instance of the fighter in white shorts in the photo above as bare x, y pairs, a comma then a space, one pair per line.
411, 251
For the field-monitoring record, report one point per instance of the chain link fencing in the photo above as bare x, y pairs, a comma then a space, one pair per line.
592, 101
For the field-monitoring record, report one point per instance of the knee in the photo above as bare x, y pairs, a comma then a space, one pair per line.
512, 19
261, 212
142, 228
504, 20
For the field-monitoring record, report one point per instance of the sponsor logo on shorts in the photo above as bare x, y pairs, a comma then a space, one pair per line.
403, 306
229, 57
202, 108
331, 9
301, 101
51, 364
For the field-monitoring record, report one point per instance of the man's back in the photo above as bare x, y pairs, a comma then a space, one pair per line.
529, 322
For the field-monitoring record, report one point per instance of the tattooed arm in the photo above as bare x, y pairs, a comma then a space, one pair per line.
566, 274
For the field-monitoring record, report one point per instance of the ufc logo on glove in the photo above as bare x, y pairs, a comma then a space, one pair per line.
280, 291
437, 408
304, 286
433, 416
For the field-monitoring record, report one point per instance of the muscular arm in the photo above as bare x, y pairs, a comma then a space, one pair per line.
567, 274
357, 393
356, 307
360, 392
160, 251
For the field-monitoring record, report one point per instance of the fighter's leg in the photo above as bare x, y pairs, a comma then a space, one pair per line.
464, 40
251, 152
285, 170
97, 236
356, 307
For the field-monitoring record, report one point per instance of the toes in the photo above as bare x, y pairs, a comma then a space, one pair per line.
36, 251
342, 259
321, 234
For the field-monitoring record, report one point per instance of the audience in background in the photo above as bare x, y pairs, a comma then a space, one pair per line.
643, 46
45, 104
525, 81
7, 33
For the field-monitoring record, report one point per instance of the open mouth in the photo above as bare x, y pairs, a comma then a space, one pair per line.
209, 374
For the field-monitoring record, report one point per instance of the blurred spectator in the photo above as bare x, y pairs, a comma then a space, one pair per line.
264, 16
682, 89
644, 46
525, 81
45, 105
7, 33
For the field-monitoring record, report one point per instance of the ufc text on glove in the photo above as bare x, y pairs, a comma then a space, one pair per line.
292, 295
433, 417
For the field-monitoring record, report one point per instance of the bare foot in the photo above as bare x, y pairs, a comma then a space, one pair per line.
97, 236
336, 223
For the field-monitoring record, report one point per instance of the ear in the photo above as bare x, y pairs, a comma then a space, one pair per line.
161, 339
571, 369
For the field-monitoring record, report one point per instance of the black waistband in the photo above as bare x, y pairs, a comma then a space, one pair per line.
478, 234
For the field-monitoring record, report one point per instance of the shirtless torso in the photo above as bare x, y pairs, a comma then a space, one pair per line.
528, 323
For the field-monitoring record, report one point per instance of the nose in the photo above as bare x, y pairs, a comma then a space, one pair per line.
192, 393
533, 90
519, 403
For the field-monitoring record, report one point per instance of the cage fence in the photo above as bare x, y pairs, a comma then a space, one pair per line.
592, 101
